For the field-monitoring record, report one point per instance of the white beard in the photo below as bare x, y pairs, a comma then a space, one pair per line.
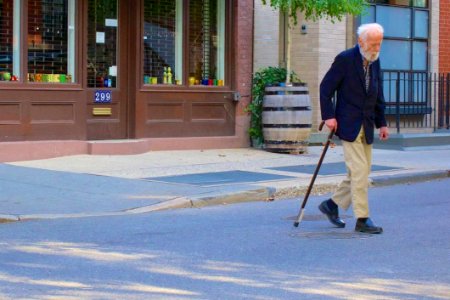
370, 57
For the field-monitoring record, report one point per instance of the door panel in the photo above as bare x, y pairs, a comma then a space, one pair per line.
188, 114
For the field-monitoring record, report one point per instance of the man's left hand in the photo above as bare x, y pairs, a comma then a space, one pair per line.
384, 133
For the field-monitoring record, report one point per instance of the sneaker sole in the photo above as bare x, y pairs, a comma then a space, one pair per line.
369, 232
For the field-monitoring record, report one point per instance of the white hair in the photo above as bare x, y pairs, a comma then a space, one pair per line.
364, 29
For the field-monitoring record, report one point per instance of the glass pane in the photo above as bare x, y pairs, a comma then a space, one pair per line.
6, 40
368, 16
420, 3
395, 20
206, 42
421, 24
420, 56
163, 42
48, 41
416, 3
395, 55
102, 43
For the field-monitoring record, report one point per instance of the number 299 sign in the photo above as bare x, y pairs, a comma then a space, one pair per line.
103, 96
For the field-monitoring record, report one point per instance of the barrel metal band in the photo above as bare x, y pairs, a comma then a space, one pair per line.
293, 108
287, 92
287, 125
286, 142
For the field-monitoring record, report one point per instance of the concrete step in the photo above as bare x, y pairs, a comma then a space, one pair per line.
415, 141
401, 141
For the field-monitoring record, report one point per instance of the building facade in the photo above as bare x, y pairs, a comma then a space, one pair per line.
175, 73
444, 36
415, 47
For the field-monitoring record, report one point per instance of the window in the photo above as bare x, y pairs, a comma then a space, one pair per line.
166, 34
51, 41
415, 3
163, 41
206, 42
405, 41
102, 43
404, 53
9, 40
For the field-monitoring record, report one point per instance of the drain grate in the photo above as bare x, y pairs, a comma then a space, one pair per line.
330, 235
220, 178
327, 168
320, 217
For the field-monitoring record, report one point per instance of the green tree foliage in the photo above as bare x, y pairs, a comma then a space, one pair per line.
313, 10
316, 9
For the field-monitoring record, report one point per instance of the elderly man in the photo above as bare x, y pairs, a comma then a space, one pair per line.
355, 76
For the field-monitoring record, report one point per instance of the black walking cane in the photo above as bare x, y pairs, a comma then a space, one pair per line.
302, 209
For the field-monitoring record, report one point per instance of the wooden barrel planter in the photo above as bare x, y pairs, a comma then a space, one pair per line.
286, 119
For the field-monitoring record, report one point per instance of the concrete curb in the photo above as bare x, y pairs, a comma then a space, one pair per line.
176, 203
272, 193
259, 194
8, 218
224, 198
171, 204
299, 191
384, 180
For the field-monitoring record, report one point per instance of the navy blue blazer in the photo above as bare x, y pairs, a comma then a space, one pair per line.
355, 107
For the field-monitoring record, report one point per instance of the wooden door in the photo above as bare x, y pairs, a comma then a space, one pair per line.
107, 69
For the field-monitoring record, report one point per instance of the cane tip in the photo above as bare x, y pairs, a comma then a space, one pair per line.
296, 224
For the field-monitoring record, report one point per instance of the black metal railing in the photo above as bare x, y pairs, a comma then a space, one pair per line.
417, 100
443, 104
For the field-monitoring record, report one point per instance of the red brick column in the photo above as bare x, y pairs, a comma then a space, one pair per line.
243, 67
243, 51
444, 36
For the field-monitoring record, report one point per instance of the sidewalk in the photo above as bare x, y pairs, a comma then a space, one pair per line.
103, 185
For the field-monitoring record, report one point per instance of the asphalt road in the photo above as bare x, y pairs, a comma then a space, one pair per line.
242, 251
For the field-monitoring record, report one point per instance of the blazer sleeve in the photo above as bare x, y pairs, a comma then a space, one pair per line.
330, 83
380, 119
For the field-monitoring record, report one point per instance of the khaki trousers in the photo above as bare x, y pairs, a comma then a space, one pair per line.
354, 188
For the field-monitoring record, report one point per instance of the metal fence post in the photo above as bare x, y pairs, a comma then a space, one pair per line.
447, 100
432, 91
397, 102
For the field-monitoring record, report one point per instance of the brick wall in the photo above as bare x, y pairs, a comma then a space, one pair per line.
312, 54
266, 35
243, 55
444, 36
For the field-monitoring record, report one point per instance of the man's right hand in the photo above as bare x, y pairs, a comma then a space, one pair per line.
331, 124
